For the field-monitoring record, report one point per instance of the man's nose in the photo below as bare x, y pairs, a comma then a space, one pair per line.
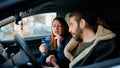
69, 29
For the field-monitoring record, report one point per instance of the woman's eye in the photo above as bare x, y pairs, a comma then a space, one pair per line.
53, 26
59, 26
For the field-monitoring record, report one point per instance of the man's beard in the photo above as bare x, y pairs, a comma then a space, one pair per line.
78, 34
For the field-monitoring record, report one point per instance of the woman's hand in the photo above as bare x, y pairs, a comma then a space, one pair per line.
51, 59
59, 39
43, 49
53, 62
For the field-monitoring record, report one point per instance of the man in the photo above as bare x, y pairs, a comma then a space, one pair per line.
91, 42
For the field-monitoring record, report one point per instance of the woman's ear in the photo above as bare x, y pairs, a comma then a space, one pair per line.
82, 23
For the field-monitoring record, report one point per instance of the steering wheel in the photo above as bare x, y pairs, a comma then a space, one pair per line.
26, 49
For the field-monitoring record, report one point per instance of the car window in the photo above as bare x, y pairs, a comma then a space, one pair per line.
32, 26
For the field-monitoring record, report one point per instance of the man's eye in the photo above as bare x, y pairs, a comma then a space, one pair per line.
71, 25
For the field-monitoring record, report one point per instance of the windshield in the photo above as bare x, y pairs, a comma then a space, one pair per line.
37, 25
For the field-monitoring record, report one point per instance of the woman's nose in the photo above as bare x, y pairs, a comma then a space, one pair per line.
56, 27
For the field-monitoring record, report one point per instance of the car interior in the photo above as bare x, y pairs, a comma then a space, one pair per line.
21, 52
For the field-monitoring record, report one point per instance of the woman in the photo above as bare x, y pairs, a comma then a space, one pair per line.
55, 43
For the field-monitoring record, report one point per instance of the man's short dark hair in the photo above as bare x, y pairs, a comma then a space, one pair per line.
90, 17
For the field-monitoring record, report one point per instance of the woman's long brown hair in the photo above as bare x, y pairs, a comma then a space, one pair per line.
65, 32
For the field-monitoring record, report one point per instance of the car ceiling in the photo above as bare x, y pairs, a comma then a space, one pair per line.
10, 7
